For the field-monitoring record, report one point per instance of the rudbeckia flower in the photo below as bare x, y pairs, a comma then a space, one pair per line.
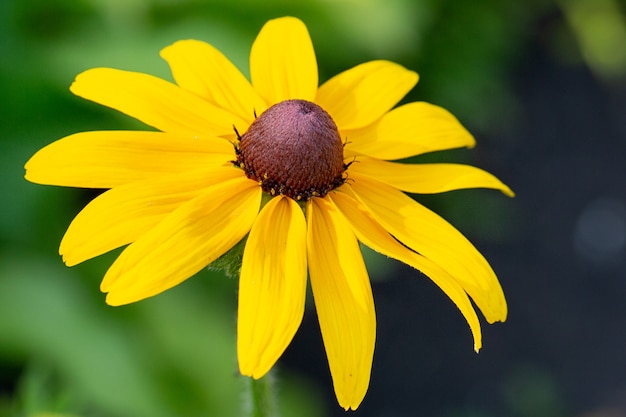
302, 172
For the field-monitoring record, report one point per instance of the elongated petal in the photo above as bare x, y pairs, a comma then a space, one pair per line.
359, 96
343, 300
183, 243
377, 238
428, 234
282, 62
121, 215
106, 159
427, 178
155, 102
202, 69
272, 286
411, 129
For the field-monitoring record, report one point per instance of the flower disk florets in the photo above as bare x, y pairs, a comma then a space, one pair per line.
293, 149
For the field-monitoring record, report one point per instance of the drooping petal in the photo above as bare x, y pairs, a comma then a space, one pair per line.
343, 300
272, 286
204, 70
412, 129
428, 234
427, 178
282, 62
106, 159
155, 102
184, 242
121, 215
359, 96
372, 234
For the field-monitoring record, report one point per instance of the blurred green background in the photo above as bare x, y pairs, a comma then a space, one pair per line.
540, 83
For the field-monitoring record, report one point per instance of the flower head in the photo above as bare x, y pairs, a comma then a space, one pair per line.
304, 172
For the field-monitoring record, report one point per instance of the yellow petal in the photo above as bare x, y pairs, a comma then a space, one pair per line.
155, 102
106, 159
409, 130
184, 242
343, 300
359, 96
272, 286
202, 69
431, 236
377, 238
121, 215
282, 62
427, 178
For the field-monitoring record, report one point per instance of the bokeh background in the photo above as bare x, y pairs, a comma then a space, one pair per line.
541, 84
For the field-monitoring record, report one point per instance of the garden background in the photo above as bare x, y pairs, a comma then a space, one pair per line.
542, 86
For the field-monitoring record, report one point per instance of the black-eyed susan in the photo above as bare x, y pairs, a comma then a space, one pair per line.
304, 172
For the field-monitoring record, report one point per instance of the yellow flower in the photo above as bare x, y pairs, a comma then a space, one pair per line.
319, 160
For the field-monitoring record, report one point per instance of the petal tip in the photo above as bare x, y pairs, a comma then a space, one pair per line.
79, 79
86, 80
69, 261
350, 405
66, 255
112, 300
106, 285
508, 192
251, 370
414, 76
169, 49
116, 297
286, 19
497, 317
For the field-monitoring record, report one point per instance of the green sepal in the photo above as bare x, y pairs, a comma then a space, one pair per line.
230, 262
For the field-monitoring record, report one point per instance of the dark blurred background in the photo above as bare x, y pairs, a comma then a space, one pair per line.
540, 83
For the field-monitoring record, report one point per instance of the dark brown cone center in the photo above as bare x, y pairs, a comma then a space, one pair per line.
293, 149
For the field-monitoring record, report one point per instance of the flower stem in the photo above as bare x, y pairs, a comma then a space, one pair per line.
261, 399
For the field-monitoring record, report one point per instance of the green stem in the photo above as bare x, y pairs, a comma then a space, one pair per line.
261, 398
